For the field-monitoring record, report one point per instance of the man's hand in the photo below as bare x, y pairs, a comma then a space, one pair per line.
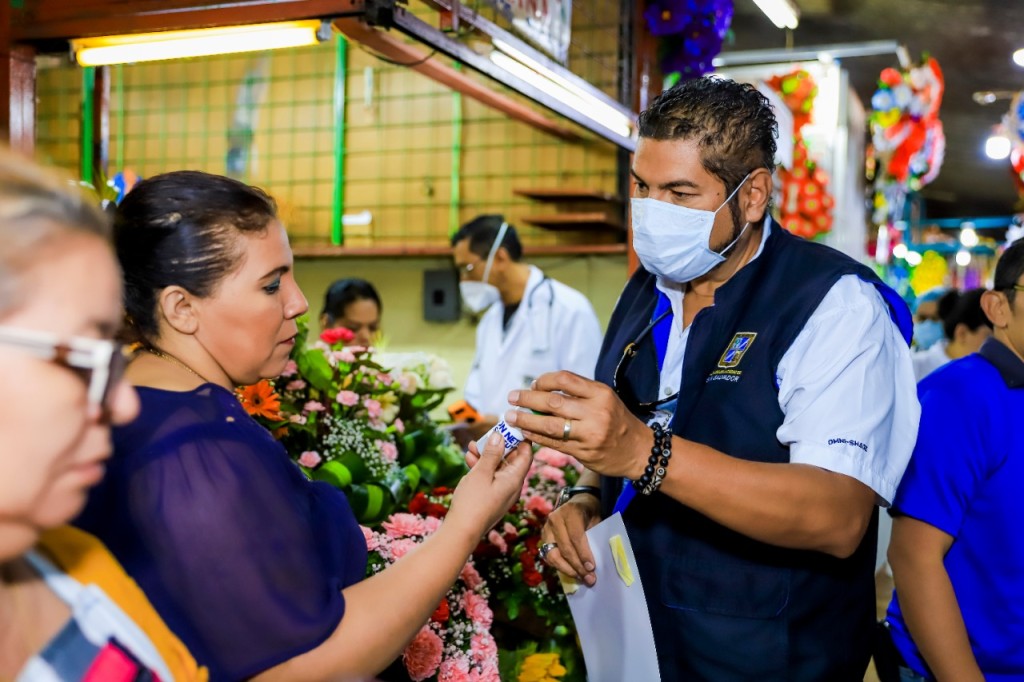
566, 527
601, 433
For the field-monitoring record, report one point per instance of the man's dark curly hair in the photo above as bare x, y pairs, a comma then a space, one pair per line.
733, 124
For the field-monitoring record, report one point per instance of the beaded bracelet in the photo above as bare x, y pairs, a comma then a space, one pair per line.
657, 463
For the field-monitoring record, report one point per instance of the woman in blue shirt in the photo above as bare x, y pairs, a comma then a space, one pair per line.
259, 571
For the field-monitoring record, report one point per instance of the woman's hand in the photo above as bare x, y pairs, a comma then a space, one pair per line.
585, 419
490, 488
567, 528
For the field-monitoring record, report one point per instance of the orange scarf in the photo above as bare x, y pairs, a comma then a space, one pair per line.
85, 559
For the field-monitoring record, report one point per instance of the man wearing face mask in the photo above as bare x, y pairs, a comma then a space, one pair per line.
531, 324
927, 321
754, 403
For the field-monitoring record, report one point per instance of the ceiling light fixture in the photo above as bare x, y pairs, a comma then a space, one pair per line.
534, 73
968, 235
963, 258
149, 47
782, 13
997, 147
1018, 57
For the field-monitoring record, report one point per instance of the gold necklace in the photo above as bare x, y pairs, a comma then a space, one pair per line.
167, 356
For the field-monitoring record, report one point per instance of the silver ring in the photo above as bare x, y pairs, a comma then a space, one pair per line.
545, 548
567, 429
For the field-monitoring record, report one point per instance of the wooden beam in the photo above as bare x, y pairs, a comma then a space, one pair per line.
421, 62
17, 87
43, 20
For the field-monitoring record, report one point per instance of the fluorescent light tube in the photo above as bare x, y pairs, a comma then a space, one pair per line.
148, 47
782, 13
551, 83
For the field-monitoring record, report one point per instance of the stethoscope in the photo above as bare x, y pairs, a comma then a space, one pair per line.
541, 342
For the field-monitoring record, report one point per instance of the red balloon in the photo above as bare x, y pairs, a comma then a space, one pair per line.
891, 77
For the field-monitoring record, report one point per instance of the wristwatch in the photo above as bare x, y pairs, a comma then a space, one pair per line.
571, 491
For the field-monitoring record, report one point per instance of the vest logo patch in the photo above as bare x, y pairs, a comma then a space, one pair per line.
737, 348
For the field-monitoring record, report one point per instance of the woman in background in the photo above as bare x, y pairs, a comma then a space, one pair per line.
964, 328
354, 304
259, 570
67, 610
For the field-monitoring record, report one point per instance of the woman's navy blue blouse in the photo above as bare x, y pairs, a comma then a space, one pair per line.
242, 556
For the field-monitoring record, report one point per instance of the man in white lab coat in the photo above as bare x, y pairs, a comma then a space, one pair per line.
532, 323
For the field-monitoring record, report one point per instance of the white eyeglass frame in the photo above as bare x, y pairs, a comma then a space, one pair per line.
104, 359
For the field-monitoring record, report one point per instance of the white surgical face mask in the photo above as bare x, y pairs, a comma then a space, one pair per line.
479, 296
674, 242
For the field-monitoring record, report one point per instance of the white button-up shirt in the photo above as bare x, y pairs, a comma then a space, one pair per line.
846, 385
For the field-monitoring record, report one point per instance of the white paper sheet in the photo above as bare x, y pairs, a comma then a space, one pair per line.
612, 622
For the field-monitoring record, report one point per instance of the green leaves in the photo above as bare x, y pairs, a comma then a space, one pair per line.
316, 370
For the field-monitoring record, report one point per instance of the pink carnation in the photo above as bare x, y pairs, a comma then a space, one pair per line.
388, 450
553, 474
295, 385
404, 525
290, 369
431, 524
348, 398
495, 538
483, 647
401, 547
310, 459
471, 576
399, 426
423, 655
371, 538
344, 355
385, 378
553, 457
509, 529
313, 406
372, 407
539, 504
454, 670
297, 419
488, 672
477, 608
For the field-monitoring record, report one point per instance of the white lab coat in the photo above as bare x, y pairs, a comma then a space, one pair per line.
554, 328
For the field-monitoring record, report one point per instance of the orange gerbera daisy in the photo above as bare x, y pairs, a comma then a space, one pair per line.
259, 400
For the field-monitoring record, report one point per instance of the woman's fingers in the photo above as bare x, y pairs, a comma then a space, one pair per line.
472, 456
490, 458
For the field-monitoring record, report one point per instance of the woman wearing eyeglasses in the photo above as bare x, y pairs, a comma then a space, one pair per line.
67, 610
258, 570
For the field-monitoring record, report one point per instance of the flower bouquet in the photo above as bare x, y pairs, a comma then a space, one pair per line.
526, 592
352, 422
456, 643
360, 420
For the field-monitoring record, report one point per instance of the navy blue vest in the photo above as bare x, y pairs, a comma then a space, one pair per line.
725, 607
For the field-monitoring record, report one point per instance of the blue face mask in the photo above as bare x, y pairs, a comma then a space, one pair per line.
927, 333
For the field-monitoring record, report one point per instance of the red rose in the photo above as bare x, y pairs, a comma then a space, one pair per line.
418, 504
532, 578
438, 511
441, 613
337, 335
